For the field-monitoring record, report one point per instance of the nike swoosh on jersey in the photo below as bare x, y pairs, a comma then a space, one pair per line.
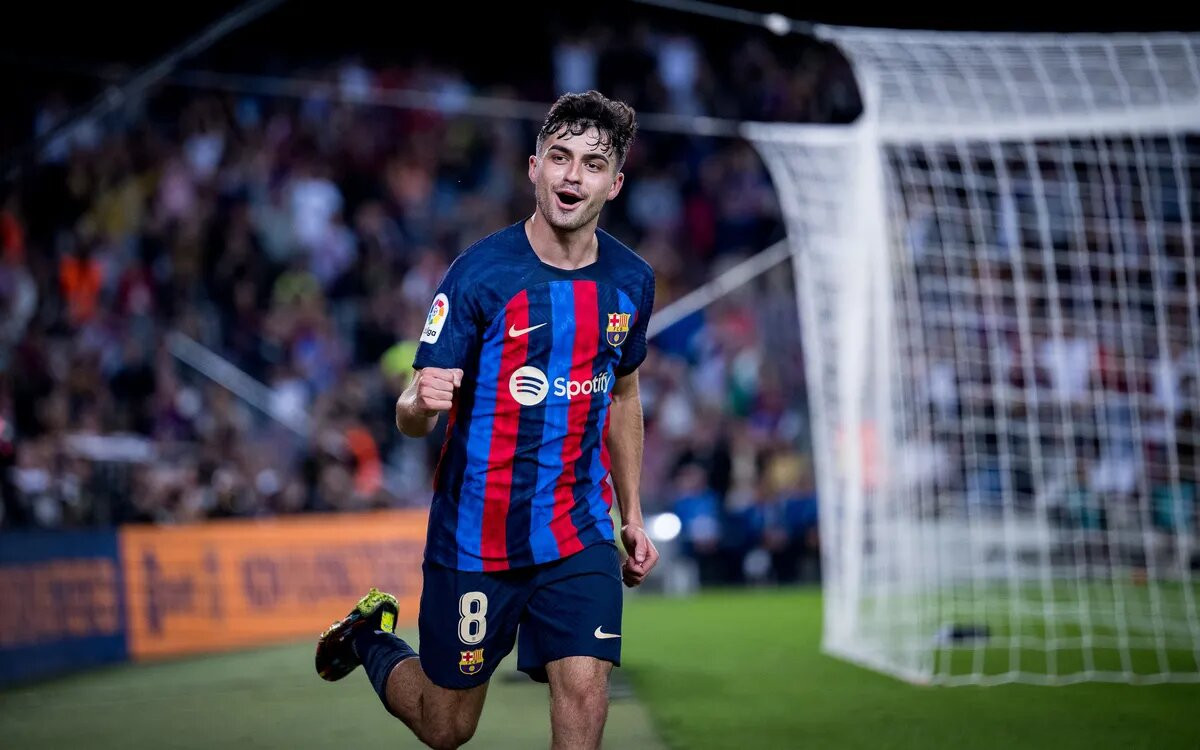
514, 332
601, 634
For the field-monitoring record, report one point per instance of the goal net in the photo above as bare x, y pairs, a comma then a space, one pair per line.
999, 291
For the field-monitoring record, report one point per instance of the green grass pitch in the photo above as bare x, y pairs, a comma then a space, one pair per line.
729, 669
742, 669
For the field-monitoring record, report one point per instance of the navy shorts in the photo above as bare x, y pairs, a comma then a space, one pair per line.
469, 621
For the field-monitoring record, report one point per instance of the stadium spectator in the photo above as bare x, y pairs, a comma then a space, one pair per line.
294, 238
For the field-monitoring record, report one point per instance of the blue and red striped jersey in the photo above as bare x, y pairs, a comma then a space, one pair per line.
523, 476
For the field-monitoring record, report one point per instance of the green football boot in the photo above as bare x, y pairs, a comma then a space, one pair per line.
335, 650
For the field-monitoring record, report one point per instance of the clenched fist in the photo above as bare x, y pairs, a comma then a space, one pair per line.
430, 393
643, 555
435, 388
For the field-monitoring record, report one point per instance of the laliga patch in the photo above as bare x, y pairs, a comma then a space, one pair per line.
618, 328
438, 313
387, 622
470, 662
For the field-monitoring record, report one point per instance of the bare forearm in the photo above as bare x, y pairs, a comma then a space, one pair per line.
625, 440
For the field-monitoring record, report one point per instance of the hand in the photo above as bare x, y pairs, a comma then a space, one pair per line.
435, 392
642, 555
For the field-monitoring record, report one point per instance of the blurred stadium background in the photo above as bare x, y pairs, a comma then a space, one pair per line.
211, 294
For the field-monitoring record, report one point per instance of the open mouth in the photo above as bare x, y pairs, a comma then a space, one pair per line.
568, 199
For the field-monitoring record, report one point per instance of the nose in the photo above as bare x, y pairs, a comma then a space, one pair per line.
574, 171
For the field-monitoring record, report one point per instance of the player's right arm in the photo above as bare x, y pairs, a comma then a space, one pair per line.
449, 334
430, 393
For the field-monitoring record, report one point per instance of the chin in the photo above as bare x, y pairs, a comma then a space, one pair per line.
573, 220
567, 223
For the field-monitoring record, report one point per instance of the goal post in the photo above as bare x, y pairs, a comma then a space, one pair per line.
998, 285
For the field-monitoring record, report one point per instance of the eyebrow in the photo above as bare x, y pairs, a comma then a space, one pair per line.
569, 152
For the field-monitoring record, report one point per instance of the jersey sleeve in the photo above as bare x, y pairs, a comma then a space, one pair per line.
451, 327
634, 351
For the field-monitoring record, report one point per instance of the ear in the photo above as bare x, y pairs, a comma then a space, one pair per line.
616, 186
533, 162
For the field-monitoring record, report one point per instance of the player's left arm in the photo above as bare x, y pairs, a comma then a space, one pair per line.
625, 439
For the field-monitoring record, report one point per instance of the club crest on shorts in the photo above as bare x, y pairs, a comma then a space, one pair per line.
618, 328
470, 662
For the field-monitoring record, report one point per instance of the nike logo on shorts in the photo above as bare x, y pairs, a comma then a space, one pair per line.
601, 634
515, 332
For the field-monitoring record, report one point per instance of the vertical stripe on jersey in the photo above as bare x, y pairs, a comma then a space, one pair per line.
502, 451
583, 357
606, 488
452, 471
439, 478
603, 472
525, 469
593, 496
554, 426
470, 491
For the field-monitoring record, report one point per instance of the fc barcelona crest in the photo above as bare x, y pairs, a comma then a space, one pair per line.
618, 328
470, 662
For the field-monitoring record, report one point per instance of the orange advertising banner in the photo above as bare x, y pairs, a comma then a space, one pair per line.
234, 583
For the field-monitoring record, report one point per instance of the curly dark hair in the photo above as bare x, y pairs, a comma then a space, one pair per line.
575, 113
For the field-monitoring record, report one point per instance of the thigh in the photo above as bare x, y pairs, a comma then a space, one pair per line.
468, 623
575, 610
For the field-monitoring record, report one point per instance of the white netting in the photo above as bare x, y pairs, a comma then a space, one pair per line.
952, 83
999, 292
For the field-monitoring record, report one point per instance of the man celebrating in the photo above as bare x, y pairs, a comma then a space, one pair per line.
532, 345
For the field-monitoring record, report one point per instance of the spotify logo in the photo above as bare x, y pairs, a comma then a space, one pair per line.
529, 386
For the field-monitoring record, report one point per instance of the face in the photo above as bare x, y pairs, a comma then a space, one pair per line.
573, 177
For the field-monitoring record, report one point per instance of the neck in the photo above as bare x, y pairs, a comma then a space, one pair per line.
565, 249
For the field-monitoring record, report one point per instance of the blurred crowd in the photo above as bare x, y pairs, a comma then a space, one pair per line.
300, 237
210, 302
1059, 339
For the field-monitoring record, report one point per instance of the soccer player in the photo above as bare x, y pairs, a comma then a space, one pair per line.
532, 345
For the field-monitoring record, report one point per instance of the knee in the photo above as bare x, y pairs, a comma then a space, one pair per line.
587, 701
448, 736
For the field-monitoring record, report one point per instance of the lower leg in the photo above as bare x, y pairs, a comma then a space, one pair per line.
578, 702
439, 717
